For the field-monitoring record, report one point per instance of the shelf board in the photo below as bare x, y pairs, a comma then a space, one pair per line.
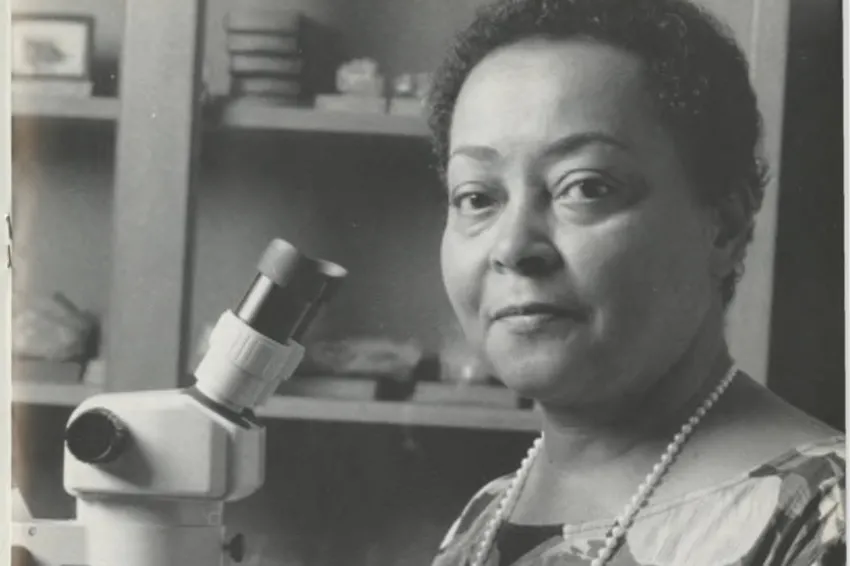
236, 115
400, 413
48, 106
432, 404
347, 400
46, 393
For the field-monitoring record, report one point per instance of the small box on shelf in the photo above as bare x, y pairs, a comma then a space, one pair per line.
266, 59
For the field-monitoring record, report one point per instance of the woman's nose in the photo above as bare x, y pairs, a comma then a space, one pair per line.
524, 244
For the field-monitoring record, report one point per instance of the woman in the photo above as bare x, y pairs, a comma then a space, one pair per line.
599, 163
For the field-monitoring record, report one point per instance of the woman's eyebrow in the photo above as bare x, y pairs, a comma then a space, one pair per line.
565, 145
477, 152
574, 142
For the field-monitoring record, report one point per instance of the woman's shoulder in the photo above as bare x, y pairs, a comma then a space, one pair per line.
471, 520
821, 458
790, 508
756, 428
812, 480
476, 508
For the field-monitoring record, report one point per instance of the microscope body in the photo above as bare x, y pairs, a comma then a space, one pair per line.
161, 500
159, 497
151, 471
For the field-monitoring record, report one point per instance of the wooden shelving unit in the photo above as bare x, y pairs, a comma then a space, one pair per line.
46, 106
237, 115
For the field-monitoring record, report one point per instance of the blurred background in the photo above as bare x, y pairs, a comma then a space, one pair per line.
152, 168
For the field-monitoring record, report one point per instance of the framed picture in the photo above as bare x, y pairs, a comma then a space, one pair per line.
51, 46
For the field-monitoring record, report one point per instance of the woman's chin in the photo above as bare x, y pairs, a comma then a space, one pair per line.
541, 376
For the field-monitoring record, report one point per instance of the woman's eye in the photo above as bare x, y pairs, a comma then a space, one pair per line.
472, 202
586, 190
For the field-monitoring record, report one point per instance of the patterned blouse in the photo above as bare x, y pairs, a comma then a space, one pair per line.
787, 512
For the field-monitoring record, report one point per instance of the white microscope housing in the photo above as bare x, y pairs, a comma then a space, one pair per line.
151, 471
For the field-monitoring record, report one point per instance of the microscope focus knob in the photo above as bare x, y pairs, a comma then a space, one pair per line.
96, 437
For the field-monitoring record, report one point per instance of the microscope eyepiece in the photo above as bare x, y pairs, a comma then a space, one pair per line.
253, 347
287, 292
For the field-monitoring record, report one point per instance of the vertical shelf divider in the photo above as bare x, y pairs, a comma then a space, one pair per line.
153, 209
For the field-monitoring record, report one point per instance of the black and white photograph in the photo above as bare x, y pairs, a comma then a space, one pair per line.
45, 46
425, 282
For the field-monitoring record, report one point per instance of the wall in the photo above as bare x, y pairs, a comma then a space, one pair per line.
370, 205
807, 357
62, 179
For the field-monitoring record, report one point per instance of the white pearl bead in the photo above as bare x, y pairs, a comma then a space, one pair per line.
618, 531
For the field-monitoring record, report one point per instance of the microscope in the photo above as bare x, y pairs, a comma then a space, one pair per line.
152, 470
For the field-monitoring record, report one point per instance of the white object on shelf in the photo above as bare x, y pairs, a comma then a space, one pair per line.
52, 87
407, 107
95, 374
351, 103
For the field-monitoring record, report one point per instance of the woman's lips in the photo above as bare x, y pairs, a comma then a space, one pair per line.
531, 317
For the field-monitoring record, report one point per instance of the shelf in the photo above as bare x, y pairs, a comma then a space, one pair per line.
348, 400
236, 115
46, 393
47, 106
400, 413
432, 404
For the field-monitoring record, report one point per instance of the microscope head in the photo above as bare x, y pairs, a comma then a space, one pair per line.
254, 347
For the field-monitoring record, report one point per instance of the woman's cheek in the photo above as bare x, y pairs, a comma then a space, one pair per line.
615, 272
461, 279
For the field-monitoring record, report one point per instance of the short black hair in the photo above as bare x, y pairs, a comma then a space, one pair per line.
697, 73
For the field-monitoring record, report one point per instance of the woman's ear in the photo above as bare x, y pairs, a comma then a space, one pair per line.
733, 230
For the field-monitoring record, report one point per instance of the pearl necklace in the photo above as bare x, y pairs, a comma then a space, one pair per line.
624, 521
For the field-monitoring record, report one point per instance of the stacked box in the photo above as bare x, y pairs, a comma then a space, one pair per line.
266, 59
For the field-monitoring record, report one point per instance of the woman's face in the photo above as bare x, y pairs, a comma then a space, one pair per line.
575, 252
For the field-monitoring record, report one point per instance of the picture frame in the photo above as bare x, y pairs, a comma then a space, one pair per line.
51, 46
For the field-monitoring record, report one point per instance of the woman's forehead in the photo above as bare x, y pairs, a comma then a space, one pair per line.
543, 89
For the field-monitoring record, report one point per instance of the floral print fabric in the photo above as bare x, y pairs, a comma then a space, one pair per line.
787, 512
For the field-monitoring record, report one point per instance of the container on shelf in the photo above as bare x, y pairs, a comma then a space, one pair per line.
266, 56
